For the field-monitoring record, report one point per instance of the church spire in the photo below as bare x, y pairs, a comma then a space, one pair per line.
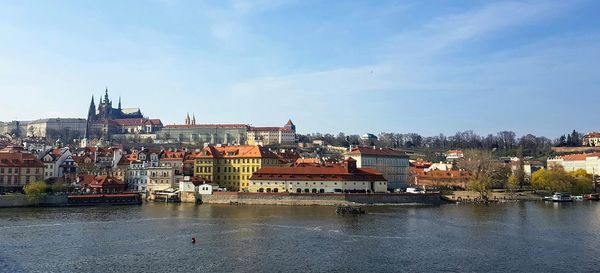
106, 95
92, 110
119, 102
91, 116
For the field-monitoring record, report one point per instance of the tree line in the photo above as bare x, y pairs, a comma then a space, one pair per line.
503, 140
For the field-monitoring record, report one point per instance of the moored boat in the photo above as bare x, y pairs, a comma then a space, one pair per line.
561, 197
592, 197
349, 210
104, 199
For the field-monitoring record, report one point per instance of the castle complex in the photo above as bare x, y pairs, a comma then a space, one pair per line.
107, 122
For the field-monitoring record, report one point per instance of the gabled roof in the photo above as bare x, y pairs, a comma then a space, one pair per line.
242, 151
172, 156
99, 181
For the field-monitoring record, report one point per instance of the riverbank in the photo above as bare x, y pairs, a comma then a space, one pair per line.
308, 199
21, 200
470, 196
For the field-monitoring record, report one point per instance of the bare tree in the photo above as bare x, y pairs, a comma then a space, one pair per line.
482, 167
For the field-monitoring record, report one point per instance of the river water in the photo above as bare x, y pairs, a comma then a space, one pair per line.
525, 237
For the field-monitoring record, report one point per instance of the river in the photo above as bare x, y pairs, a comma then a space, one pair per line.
525, 237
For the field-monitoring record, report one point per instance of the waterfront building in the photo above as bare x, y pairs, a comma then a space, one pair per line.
267, 136
145, 173
190, 187
100, 184
137, 176
160, 178
393, 164
174, 159
18, 168
592, 139
59, 164
588, 162
332, 178
440, 178
231, 166
105, 158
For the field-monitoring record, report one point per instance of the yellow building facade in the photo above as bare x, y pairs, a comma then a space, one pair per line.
231, 166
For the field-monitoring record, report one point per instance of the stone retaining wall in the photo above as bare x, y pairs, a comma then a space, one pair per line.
320, 199
21, 201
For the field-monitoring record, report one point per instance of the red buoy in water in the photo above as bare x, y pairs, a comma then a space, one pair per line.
193, 240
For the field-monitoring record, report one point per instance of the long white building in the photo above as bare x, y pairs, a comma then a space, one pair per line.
588, 162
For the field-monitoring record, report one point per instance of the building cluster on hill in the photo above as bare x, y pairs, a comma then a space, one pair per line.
119, 149
243, 168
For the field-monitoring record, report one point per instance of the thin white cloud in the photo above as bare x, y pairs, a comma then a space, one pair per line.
411, 64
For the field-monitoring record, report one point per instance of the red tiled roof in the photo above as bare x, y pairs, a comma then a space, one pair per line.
242, 151
269, 129
198, 126
421, 163
198, 180
170, 155
19, 159
137, 122
592, 135
578, 157
375, 152
99, 181
309, 161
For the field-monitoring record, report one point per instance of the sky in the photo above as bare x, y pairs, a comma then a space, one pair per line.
425, 66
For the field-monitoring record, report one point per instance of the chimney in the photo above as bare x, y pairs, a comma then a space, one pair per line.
350, 164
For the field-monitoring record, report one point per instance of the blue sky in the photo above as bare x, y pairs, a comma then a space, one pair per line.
354, 66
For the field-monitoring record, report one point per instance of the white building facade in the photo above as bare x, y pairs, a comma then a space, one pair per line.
394, 165
588, 162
